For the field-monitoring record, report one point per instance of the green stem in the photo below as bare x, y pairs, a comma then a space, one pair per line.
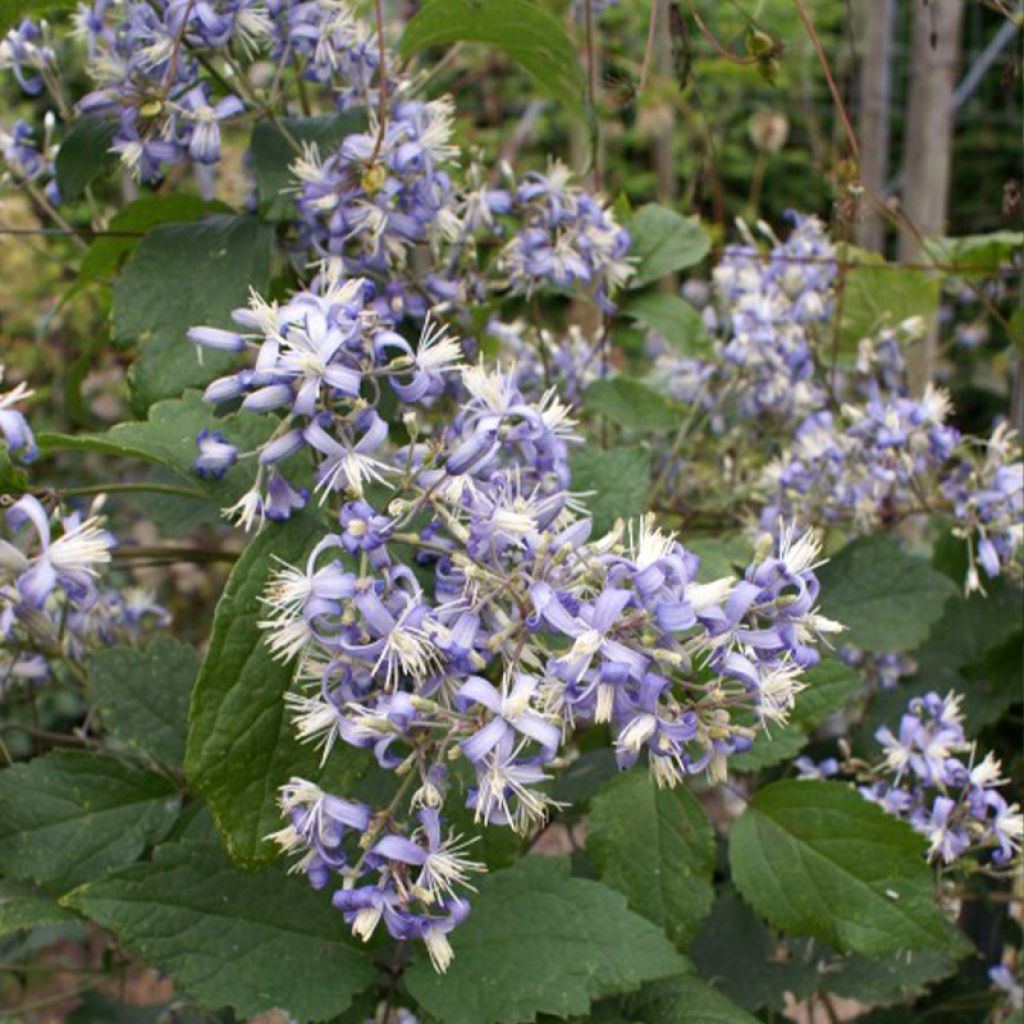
125, 488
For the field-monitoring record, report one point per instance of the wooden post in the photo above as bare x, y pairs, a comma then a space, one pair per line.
874, 97
928, 147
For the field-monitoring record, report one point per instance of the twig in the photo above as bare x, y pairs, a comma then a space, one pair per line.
50, 210
851, 137
652, 26
733, 58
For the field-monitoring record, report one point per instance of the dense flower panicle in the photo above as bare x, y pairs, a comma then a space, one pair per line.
770, 307
937, 784
313, 356
614, 631
146, 62
380, 193
148, 82
865, 453
866, 464
461, 610
888, 455
471, 616
335, 49
568, 239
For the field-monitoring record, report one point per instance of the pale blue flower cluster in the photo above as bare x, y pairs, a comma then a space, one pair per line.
381, 192
987, 494
567, 239
30, 160
335, 50
29, 54
937, 784
53, 601
865, 466
890, 456
461, 622
146, 62
314, 355
770, 305
155, 67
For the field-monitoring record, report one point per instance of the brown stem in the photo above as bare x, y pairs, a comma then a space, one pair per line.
851, 137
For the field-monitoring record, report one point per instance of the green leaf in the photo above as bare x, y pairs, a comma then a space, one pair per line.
737, 953
879, 294
664, 241
657, 848
522, 29
830, 684
181, 276
682, 1000
272, 156
12, 11
582, 778
780, 743
994, 682
967, 998
143, 697
105, 254
168, 437
254, 941
72, 816
887, 599
982, 255
24, 906
815, 858
84, 155
539, 941
241, 745
618, 479
675, 319
725, 555
884, 981
975, 649
13, 479
631, 404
